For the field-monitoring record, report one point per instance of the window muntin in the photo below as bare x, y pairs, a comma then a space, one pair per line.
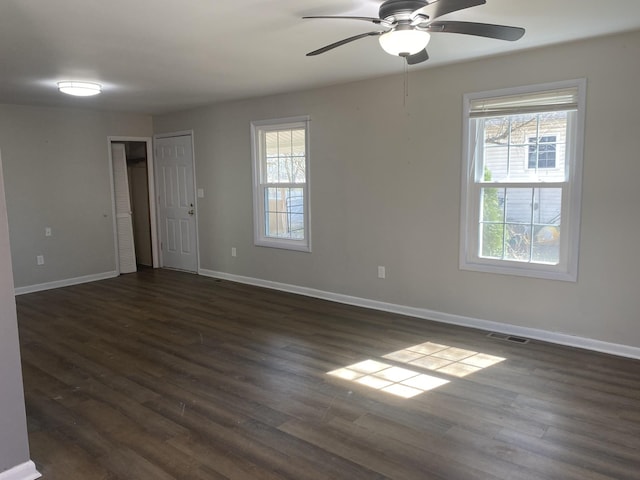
281, 200
521, 194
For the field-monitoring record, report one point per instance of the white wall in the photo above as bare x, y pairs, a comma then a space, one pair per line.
56, 164
14, 448
385, 190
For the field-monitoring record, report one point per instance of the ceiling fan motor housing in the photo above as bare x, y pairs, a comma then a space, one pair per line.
400, 8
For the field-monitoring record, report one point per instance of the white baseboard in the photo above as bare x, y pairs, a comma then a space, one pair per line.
25, 471
64, 283
508, 329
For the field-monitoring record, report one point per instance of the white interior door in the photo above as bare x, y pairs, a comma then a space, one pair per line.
124, 224
176, 202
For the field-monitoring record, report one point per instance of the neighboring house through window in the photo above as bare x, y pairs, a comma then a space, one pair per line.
542, 152
281, 177
522, 182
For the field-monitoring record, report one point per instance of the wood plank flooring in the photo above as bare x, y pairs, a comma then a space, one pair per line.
162, 375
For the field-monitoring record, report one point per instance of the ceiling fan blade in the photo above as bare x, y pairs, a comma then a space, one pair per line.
342, 42
377, 21
438, 8
501, 32
421, 56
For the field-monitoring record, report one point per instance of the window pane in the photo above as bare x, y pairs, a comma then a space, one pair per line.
519, 205
546, 238
298, 156
492, 205
284, 170
542, 152
492, 223
271, 144
284, 212
284, 143
496, 163
272, 226
548, 206
553, 124
517, 242
523, 127
492, 238
274, 210
518, 158
298, 141
272, 170
546, 244
299, 169
296, 225
496, 131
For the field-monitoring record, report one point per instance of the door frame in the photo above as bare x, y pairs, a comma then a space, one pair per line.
152, 196
184, 133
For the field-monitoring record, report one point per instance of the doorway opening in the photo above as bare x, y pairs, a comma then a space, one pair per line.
133, 203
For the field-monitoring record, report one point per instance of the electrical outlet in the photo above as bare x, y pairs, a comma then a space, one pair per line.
47, 231
234, 253
382, 272
40, 259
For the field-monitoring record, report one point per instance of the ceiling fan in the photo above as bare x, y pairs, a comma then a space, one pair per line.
408, 25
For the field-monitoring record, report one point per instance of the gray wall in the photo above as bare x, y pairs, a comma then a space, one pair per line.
14, 449
385, 190
57, 175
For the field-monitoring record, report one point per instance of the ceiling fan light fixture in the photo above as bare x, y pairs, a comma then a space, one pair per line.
80, 89
404, 42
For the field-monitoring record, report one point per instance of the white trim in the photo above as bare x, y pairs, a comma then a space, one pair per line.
423, 313
180, 133
151, 181
24, 471
114, 225
67, 282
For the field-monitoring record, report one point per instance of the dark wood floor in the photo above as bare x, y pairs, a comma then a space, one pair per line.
164, 375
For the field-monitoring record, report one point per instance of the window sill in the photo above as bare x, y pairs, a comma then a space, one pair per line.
284, 245
521, 270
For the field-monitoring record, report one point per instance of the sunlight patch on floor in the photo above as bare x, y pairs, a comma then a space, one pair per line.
453, 361
407, 383
398, 381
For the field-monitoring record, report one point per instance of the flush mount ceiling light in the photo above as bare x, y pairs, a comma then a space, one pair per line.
80, 89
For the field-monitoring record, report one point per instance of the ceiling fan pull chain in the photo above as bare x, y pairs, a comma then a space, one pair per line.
406, 82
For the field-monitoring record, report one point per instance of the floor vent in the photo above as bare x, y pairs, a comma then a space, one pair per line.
508, 338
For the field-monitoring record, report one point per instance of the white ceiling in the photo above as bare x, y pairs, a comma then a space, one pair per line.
158, 56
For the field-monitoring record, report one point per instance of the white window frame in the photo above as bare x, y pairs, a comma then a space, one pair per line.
260, 184
567, 268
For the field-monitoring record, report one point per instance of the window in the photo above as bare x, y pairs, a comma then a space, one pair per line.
521, 188
542, 152
281, 177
